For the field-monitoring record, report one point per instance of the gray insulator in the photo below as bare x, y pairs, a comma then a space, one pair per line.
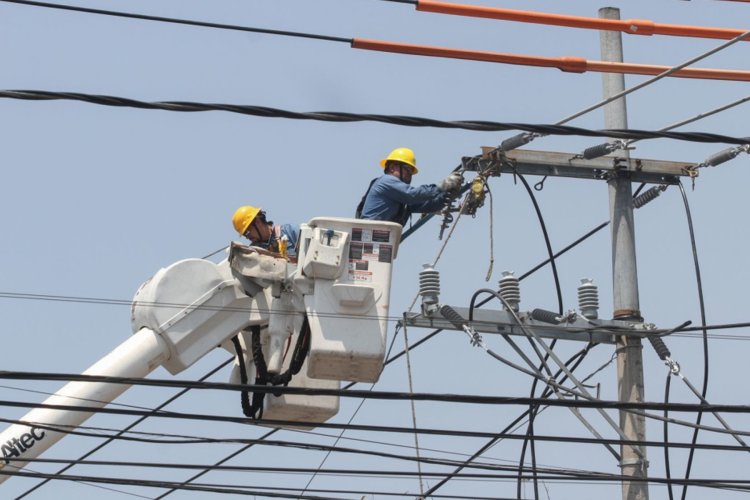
649, 195
660, 347
429, 284
451, 315
588, 299
722, 156
510, 290
597, 151
545, 316
516, 141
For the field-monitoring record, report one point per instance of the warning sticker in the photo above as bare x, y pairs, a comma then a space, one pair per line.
381, 235
355, 251
385, 254
361, 234
360, 265
360, 276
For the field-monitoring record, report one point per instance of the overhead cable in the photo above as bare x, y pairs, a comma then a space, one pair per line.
340, 117
351, 418
575, 359
347, 393
556, 473
738, 484
535, 408
179, 439
702, 308
369, 428
521, 139
535, 339
128, 427
629, 26
432, 431
452, 316
158, 484
716, 159
548, 391
567, 64
483, 466
271, 432
171, 20
684, 332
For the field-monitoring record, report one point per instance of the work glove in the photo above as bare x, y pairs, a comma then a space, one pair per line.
451, 184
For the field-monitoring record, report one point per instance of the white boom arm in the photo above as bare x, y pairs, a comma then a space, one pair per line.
136, 357
189, 308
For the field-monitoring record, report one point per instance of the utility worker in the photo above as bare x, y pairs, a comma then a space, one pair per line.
251, 222
391, 197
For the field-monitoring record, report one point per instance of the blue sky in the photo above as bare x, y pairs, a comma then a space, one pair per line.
96, 199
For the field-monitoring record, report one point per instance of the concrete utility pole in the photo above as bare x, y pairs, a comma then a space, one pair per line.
624, 277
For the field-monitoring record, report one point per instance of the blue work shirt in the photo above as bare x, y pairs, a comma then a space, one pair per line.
388, 194
292, 234
290, 231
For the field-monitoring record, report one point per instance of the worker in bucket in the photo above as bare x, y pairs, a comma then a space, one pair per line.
391, 197
252, 223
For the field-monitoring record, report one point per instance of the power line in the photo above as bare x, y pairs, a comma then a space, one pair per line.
702, 308
340, 117
180, 439
366, 394
171, 305
423, 340
391, 429
158, 484
314, 447
609, 147
574, 477
174, 305
568, 64
191, 439
522, 139
534, 408
560, 474
188, 22
629, 26
127, 428
395, 357
494, 440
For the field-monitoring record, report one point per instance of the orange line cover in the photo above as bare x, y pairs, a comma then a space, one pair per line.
632, 26
568, 64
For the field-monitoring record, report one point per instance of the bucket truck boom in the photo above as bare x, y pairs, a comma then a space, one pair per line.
340, 285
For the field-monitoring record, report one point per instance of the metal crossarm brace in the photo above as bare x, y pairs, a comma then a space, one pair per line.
502, 322
528, 162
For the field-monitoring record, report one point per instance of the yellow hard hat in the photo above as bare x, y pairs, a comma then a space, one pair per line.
403, 155
243, 217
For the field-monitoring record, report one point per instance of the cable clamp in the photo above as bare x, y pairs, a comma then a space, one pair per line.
569, 317
474, 337
674, 366
634, 462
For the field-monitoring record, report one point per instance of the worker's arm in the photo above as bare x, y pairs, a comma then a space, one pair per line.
428, 206
393, 188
